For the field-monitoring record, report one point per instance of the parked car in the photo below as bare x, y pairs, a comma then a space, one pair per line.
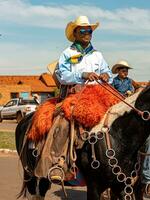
17, 109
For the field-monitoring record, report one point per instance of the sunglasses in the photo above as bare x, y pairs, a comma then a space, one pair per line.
84, 31
124, 70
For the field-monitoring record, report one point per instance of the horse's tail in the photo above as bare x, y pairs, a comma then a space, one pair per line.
23, 191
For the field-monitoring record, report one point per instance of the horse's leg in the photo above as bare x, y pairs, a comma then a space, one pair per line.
105, 195
31, 186
138, 190
113, 196
138, 194
37, 188
93, 190
117, 193
44, 186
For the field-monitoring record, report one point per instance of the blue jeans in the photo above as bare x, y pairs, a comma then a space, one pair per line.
146, 164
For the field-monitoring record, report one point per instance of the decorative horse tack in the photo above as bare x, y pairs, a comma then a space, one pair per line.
92, 138
112, 161
95, 163
35, 153
51, 170
145, 115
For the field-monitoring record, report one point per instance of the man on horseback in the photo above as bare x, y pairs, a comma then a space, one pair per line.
78, 63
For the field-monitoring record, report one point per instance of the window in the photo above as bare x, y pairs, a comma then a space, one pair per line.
27, 101
24, 95
14, 95
11, 103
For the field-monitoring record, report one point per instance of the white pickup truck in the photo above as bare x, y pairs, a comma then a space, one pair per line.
17, 109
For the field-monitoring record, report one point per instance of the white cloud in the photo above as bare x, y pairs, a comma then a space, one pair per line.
33, 60
26, 58
131, 20
136, 53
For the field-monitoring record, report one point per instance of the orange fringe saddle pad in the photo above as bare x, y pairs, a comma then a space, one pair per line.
86, 107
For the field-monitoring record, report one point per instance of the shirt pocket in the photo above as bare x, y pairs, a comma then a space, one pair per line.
96, 67
78, 67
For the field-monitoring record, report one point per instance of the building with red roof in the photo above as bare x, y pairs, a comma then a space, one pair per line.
26, 87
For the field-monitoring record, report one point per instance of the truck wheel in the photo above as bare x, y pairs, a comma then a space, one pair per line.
19, 117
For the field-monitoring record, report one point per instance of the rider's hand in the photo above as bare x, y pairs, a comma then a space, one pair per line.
104, 77
128, 93
91, 76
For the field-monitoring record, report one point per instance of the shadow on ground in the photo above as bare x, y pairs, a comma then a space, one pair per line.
72, 194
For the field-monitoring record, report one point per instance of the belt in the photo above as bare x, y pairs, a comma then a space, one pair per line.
75, 89
65, 90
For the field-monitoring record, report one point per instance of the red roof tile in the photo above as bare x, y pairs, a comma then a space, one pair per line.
42, 83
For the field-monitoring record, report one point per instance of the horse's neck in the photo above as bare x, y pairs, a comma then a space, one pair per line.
130, 132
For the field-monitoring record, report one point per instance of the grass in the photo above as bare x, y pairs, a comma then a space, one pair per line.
7, 140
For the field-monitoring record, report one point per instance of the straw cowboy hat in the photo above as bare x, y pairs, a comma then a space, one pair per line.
120, 64
51, 68
80, 21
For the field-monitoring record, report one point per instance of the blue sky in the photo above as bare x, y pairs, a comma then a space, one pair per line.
33, 33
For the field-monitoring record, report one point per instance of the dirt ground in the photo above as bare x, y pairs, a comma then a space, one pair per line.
11, 181
8, 125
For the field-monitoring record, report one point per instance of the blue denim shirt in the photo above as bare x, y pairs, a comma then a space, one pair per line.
122, 85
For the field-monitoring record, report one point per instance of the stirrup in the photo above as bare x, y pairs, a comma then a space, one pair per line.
56, 175
147, 189
146, 193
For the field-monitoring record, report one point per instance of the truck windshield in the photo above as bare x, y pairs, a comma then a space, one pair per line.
28, 101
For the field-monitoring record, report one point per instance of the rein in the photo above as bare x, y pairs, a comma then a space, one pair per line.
144, 114
144, 154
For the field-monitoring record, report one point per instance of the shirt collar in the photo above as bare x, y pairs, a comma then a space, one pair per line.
79, 48
126, 78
